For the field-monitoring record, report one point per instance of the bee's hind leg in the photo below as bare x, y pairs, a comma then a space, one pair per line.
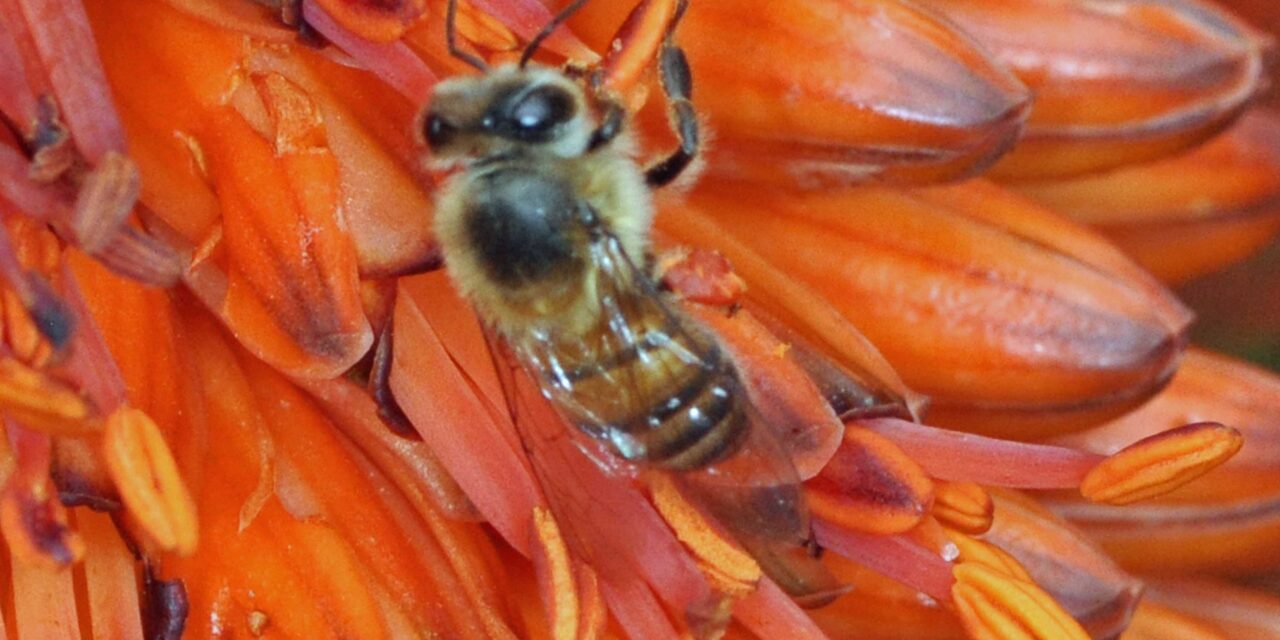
677, 84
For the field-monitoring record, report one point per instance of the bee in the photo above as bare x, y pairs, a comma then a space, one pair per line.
544, 227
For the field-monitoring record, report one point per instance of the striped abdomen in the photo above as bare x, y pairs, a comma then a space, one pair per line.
655, 390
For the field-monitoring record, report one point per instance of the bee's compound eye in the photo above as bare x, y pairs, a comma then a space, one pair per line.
540, 110
438, 131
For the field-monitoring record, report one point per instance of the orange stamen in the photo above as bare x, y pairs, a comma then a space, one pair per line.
554, 566
963, 506
988, 555
1161, 463
43, 403
144, 470
995, 605
729, 569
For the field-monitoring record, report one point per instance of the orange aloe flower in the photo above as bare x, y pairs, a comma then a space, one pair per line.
242, 399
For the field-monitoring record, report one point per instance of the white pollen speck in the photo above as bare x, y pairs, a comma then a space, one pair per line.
950, 552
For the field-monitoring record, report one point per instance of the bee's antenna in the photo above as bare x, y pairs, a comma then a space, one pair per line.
450, 33
555, 22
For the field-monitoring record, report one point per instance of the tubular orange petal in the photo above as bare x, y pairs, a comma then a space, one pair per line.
414, 467
426, 378
1116, 83
878, 608
1235, 612
375, 20
1156, 622
1264, 15
875, 88
381, 557
44, 603
292, 266
110, 579
385, 211
887, 90
637, 45
870, 385
158, 113
1188, 215
975, 342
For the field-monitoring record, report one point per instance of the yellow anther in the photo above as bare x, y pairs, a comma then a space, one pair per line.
146, 475
1160, 463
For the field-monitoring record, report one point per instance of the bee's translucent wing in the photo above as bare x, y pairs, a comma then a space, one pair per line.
659, 391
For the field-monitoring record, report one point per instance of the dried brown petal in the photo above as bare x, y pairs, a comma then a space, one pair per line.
106, 197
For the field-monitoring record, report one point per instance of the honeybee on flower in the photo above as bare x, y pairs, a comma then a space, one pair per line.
276, 180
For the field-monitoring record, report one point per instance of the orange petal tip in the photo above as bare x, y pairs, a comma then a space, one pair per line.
1160, 463
992, 604
143, 469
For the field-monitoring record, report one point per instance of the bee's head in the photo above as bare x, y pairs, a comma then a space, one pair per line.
532, 110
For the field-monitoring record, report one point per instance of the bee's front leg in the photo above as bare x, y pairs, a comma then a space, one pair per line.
677, 84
